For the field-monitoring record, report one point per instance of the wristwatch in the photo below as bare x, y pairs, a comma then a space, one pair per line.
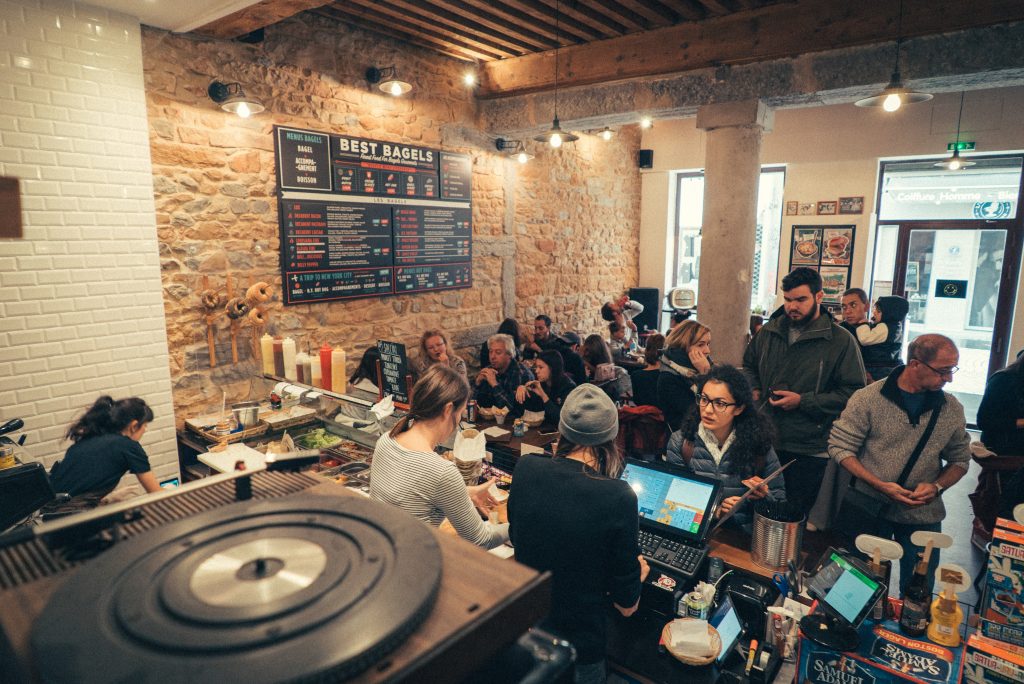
938, 488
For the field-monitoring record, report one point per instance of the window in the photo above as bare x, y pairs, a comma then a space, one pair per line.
684, 263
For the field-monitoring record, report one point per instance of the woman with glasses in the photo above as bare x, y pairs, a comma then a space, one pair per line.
728, 438
434, 349
407, 473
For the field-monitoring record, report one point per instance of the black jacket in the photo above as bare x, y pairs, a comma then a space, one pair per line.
886, 354
1001, 406
583, 528
823, 366
677, 395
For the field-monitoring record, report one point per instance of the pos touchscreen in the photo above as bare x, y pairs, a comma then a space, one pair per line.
844, 588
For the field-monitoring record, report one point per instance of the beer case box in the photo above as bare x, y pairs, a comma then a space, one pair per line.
987, 661
1002, 605
1010, 525
884, 657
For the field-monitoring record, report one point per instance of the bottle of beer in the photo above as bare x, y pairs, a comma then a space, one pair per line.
916, 602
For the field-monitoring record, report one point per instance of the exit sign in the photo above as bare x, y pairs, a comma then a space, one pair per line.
962, 146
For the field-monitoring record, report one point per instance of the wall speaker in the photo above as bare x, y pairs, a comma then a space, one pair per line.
646, 159
650, 297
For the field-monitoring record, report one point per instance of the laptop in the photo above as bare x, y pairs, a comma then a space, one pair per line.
677, 511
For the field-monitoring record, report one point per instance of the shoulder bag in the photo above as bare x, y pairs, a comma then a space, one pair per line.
862, 513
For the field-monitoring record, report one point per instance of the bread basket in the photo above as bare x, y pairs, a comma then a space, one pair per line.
716, 646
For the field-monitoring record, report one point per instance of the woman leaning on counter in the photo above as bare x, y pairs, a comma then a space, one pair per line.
572, 515
407, 473
434, 349
106, 446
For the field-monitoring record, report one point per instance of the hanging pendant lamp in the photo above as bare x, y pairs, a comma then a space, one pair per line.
955, 163
555, 136
895, 95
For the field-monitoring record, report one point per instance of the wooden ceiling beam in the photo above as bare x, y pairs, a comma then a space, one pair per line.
484, 22
540, 16
353, 19
415, 20
720, 7
619, 13
774, 32
257, 16
569, 12
381, 23
655, 13
690, 10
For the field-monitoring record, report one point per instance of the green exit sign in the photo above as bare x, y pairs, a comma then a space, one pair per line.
962, 146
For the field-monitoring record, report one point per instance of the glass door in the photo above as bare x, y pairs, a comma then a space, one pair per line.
951, 278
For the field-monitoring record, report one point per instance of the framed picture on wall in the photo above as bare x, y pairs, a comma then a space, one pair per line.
806, 246
834, 281
805, 209
851, 205
837, 245
826, 208
792, 207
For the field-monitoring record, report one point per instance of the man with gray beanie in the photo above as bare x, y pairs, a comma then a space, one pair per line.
571, 515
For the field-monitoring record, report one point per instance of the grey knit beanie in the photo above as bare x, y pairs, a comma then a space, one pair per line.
588, 417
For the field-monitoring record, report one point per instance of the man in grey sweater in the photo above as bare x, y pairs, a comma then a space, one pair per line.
879, 428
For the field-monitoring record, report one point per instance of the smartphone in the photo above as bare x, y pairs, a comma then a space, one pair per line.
772, 391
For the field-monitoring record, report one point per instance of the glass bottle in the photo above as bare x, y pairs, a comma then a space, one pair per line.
916, 602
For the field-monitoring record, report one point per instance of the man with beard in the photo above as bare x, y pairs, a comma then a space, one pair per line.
804, 367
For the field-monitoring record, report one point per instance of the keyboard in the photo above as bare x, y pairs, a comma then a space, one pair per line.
674, 556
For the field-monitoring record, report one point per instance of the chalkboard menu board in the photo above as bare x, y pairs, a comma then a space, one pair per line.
394, 367
362, 218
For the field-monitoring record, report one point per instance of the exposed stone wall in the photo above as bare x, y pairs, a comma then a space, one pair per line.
577, 227
217, 208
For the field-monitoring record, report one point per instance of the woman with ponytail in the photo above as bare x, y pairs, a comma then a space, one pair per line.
106, 446
406, 471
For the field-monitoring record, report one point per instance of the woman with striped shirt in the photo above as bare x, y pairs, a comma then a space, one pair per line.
406, 471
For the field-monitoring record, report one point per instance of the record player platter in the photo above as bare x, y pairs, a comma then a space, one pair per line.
301, 588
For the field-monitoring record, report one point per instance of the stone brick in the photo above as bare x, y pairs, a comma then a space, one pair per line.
540, 231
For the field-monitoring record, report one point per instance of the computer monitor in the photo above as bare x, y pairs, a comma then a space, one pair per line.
727, 621
846, 592
672, 500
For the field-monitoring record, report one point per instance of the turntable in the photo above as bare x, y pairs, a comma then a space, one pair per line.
305, 582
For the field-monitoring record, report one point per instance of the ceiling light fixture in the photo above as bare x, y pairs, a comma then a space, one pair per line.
386, 78
555, 136
646, 122
895, 94
955, 163
232, 98
606, 134
514, 148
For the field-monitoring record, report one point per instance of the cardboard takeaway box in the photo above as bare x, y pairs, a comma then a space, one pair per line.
1002, 604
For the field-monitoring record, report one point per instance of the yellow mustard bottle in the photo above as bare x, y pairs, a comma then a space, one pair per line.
947, 615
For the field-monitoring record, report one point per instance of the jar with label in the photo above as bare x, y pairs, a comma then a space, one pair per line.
7, 459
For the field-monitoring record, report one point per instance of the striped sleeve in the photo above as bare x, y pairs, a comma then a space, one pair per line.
429, 488
453, 499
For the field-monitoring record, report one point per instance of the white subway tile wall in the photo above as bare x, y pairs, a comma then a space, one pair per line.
81, 305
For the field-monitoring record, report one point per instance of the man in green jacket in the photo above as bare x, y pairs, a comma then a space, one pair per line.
805, 367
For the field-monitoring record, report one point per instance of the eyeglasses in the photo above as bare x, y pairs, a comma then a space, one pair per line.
940, 371
717, 405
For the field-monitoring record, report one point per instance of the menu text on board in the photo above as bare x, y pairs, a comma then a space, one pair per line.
394, 367
363, 218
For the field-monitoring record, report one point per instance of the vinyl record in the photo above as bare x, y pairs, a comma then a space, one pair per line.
301, 588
